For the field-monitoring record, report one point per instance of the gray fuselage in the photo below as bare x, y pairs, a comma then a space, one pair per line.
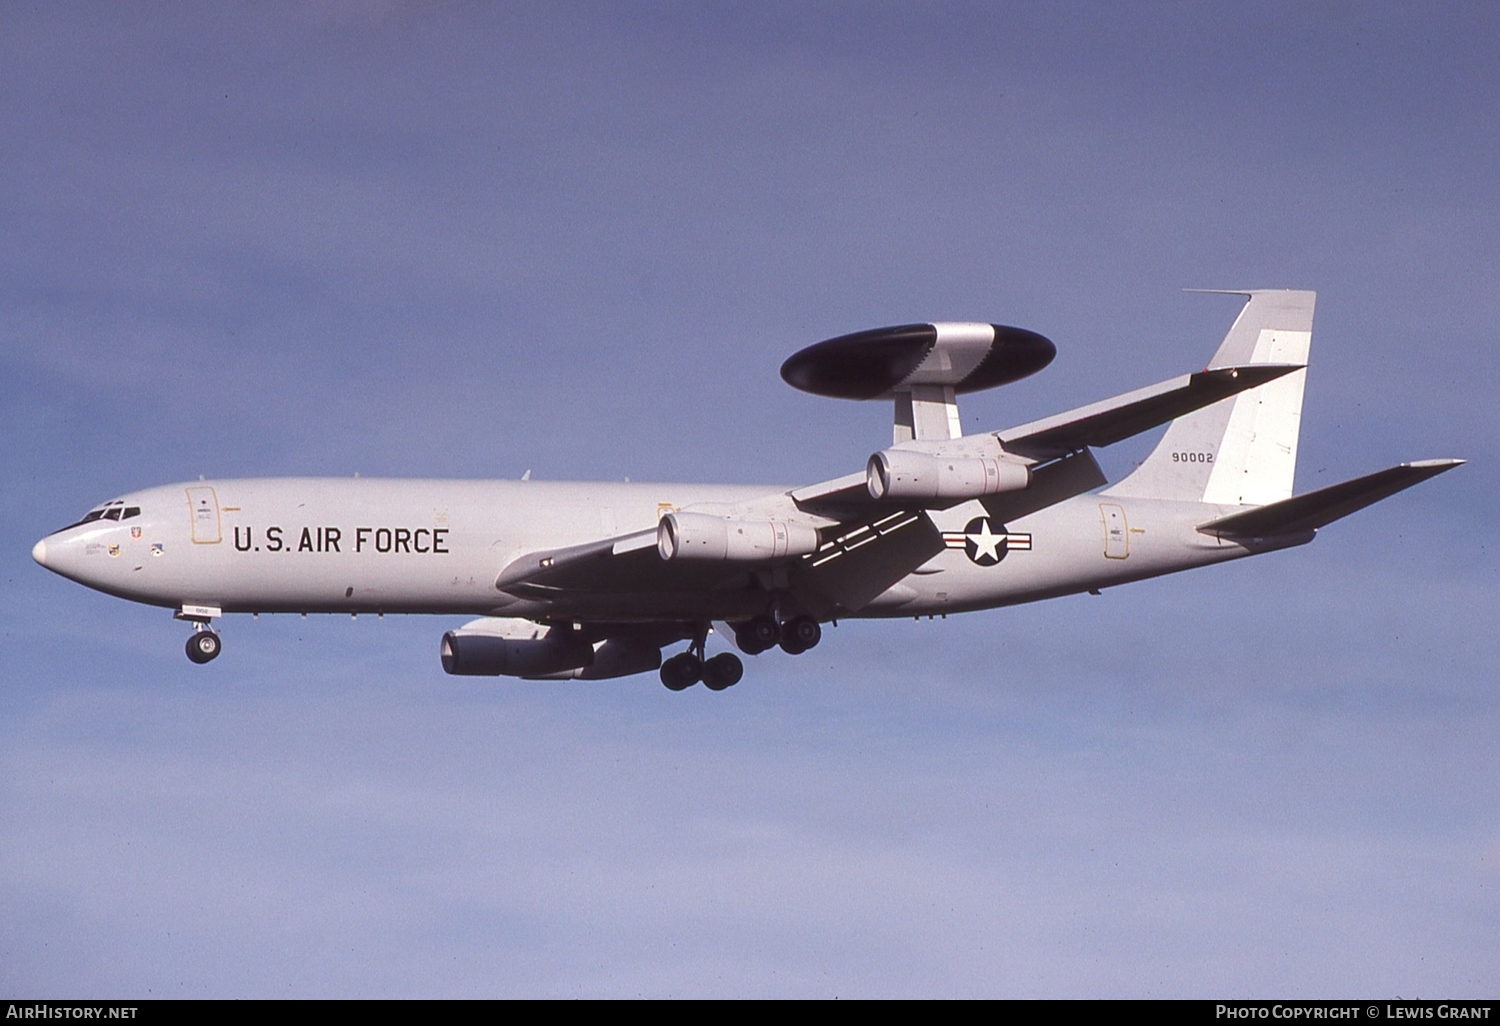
297, 545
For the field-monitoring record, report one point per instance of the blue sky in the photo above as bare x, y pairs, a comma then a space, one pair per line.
470, 241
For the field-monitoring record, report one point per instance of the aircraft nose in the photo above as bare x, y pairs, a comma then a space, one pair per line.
39, 552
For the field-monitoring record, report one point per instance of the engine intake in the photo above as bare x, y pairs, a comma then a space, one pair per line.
901, 475
702, 536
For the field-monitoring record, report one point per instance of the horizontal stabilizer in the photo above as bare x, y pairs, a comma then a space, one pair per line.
1112, 420
1315, 509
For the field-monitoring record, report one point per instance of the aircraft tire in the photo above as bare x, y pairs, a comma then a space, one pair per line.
746, 642
204, 646
722, 671
799, 635
681, 671
763, 631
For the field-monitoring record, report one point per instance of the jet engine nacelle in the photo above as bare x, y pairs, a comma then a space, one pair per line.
617, 657
702, 536
497, 646
902, 475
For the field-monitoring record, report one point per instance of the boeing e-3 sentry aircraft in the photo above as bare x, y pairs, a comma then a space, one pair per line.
592, 581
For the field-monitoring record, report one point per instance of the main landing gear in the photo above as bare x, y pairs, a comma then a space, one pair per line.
204, 646
717, 673
795, 636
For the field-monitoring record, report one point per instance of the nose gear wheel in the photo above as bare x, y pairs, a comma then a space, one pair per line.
204, 646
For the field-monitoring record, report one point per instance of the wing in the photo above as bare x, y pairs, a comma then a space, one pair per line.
610, 575
1098, 424
1113, 420
538, 574
852, 568
853, 563
847, 499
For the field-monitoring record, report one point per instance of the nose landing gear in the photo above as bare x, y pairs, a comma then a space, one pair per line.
204, 646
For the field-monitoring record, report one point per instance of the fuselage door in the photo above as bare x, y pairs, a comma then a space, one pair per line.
204, 507
1116, 533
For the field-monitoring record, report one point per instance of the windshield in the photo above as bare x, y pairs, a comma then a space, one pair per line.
116, 510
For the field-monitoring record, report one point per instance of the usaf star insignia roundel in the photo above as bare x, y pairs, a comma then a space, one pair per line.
986, 541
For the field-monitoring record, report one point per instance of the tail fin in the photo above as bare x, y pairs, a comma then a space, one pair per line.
1241, 451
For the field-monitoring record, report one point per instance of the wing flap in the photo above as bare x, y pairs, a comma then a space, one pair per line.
850, 571
1316, 509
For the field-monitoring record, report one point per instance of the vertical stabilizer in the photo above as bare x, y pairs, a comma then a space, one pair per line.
1241, 451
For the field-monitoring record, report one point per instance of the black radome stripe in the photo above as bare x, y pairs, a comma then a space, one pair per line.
864, 365
871, 364
1015, 354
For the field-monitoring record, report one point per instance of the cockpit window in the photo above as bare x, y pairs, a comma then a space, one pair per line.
116, 510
